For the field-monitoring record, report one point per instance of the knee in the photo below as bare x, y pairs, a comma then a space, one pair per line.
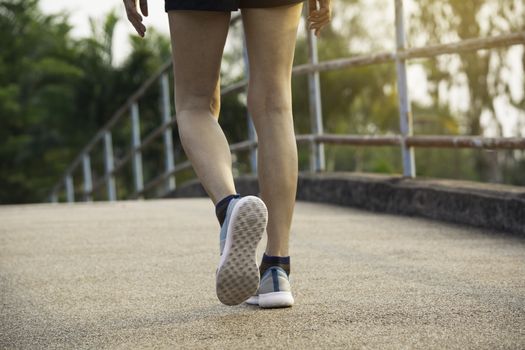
197, 103
269, 101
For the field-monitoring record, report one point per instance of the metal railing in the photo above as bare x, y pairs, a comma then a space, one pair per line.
316, 139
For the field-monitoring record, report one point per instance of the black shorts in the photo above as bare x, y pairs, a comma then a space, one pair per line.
224, 5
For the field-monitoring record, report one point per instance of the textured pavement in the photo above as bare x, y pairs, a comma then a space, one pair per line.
140, 274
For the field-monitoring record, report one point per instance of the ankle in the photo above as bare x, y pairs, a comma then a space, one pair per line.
222, 206
270, 261
276, 251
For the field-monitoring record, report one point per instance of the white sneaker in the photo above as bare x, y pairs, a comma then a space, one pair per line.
241, 232
274, 290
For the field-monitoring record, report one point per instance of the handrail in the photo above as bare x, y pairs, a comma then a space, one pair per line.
415, 53
312, 68
428, 141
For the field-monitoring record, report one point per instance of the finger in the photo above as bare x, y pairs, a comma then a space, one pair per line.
316, 26
139, 27
134, 17
137, 24
141, 33
144, 7
131, 11
319, 19
319, 13
326, 7
321, 23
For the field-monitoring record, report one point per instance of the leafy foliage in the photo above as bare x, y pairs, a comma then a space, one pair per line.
57, 91
480, 73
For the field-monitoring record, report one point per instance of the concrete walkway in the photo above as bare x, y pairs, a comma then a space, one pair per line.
141, 275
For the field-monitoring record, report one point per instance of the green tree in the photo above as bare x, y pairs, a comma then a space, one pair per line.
37, 71
57, 91
460, 20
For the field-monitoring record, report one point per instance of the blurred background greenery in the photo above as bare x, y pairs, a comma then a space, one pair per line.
57, 90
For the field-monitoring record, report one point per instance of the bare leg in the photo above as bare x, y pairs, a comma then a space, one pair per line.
270, 38
197, 39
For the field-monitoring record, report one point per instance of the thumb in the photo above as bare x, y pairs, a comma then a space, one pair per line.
144, 7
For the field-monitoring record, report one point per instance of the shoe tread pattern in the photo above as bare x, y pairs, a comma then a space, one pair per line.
238, 276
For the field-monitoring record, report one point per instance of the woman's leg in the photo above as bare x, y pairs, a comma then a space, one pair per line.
197, 39
270, 39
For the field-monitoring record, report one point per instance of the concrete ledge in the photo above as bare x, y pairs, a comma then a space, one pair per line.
491, 206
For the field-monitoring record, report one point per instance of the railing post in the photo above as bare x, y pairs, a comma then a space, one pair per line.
137, 155
110, 165
317, 155
252, 134
70, 190
405, 113
88, 181
169, 161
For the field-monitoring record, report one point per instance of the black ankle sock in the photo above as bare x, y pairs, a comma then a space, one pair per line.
269, 261
222, 207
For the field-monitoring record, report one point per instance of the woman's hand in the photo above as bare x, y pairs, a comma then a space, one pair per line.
318, 18
134, 16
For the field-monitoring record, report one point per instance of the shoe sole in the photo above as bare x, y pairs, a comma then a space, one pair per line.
238, 273
253, 300
275, 300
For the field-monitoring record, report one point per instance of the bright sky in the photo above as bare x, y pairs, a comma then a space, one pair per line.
80, 11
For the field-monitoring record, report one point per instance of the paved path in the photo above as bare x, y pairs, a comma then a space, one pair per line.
141, 275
